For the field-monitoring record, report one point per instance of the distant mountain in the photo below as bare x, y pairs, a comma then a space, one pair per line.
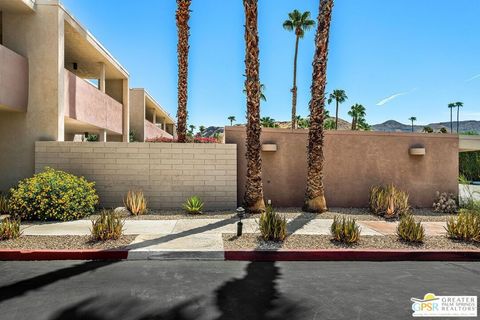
211, 131
395, 126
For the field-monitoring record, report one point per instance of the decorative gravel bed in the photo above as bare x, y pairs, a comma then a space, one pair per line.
360, 214
64, 242
254, 241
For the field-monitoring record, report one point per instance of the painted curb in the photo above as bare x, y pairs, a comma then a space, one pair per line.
352, 255
87, 254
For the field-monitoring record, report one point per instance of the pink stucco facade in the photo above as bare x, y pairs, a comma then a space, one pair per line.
13, 81
152, 131
85, 103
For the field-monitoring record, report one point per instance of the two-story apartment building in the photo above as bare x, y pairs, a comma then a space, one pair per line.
56, 81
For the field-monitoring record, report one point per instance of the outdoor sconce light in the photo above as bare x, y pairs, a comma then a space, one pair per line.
75, 66
417, 151
240, 215
269, 147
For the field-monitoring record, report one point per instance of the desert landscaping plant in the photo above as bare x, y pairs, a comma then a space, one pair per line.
410, 231
445, 203
53, 195
108, 226
465, 227
193, 205
345, 230
9, 229
273, 227
3, 203
388, 201
136, 202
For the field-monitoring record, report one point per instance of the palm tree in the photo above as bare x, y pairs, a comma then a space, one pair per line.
262, 90
192, 127
253, 198
412, 119
458, 105
268, 122
339, 96
201, 129
182, 17
315, 193
299, 23
231, 118
451, 106
358, 113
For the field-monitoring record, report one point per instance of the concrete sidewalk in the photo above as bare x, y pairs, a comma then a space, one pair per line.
202, 238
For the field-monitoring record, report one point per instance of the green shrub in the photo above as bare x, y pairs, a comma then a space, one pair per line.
193, 205
465, 227
53, 195
9, 229
409, 230
4, 209
445, 203
345, 230
272, 226
469, 163
388, 201
135, 202
108, 226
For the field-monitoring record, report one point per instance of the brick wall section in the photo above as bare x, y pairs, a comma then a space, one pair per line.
168, 173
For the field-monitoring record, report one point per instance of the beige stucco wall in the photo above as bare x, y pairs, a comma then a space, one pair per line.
137, 113
354, 161
13, 80
168, 173
152, 131
39, 38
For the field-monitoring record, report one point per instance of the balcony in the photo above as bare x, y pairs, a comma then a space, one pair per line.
89, 108
13, 81
154, 131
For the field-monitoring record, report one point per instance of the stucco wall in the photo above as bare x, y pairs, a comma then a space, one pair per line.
354, 161
152, 131
13, 80
137, 113
168, 173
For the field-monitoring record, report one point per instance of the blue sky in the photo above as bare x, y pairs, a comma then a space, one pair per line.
399, 58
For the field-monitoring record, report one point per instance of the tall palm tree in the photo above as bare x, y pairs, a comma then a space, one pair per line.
315, 193
412, 119
458, 105
262, 90
182, 17
339, 96
231, 118
358, 113
299, 23
451, 106
253, 198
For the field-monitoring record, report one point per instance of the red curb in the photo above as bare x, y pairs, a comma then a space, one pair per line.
353, 255
87, 254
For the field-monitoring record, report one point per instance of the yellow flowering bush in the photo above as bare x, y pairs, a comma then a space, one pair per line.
53, 195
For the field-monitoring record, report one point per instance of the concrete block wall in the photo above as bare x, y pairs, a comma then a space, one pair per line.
167, 173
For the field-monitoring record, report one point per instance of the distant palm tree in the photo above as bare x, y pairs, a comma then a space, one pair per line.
339, 96
303, 123
413, 119
262, 90
231, 118
299, 23
358, 113
268, 122
182, 17
192, 128
458, 105
315, 192
201, 129
253, 197
451, 106
329, 124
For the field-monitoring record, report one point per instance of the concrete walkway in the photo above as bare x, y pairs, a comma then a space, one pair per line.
202, 238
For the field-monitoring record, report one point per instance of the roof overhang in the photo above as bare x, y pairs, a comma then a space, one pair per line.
18, 6
154, 106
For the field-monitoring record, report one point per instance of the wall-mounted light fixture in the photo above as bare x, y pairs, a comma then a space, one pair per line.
269, 147
417, 151
75, 66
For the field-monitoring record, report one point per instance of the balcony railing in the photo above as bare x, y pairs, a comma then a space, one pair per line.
153, 131
13, 81
87, 104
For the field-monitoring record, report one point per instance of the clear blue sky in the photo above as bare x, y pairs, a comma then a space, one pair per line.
420, 54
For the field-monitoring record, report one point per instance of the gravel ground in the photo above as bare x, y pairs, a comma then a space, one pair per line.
254, 241
360, 214
64, 242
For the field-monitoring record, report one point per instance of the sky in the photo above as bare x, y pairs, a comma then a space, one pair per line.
399, 58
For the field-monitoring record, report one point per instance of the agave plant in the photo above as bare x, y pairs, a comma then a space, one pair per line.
109, 226
345, 230
193, 205
273, 227
136, 202
409, 230
388, 201
465, 227
9, 229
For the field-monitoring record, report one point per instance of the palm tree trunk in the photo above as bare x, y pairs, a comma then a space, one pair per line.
458, 119
182, 17
253, 186
451, 121
412, 125
336, 116
294, 88
231, 123
315, 194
